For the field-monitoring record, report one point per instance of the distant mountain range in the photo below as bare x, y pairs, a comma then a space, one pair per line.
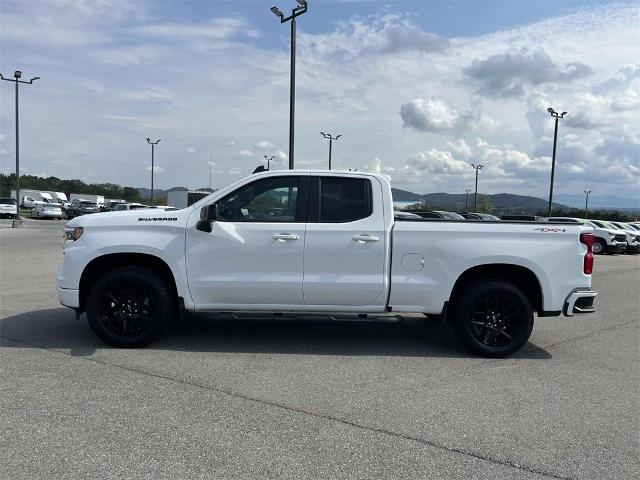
601, 201
502, 202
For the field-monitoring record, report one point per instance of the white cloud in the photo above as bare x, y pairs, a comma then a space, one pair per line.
430, 114
264, 145
190, 149
509, 73
245, 152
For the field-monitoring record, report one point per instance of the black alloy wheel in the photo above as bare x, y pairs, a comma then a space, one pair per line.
492, 318
130, 307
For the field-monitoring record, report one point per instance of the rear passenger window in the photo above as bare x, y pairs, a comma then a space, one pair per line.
344, 199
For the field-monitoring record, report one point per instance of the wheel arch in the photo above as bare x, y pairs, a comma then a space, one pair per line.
522, 277
104, 263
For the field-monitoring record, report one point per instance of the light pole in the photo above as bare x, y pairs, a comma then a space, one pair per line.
153, 144
475, 197
210, 171
16, 79
268, 159
466, 199
297, 11
557, 116
586, 203
331, 139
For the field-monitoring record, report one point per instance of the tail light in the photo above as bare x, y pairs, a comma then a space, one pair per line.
587, 239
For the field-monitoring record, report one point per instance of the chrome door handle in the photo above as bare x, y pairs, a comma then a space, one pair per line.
283, 237
365, 237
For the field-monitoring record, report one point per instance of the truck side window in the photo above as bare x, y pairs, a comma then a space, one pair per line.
268, 200
344, 199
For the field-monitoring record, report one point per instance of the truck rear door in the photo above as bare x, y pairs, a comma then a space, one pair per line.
345, 246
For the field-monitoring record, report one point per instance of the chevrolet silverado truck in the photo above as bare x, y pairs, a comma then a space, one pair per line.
327, 243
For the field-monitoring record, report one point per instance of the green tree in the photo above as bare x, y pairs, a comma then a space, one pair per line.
484, 204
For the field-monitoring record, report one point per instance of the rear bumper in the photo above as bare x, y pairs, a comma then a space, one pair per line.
580, 301
69, 297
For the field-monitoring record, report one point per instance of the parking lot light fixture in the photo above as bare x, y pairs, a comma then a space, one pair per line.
475, 196
153, 144
268, 160
557, 116
466, 199
17, 75
331, 138
586, 203
295, 12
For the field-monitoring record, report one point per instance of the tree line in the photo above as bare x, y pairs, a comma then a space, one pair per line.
55, 184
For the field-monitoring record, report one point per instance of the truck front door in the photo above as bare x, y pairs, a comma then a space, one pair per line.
253, 257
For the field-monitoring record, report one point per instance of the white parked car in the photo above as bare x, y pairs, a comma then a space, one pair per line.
607, 240
128, 206
321, 242
8, 207
633, 236
46, 210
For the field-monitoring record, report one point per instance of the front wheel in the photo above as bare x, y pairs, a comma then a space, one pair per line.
492, 318
130, 307
599, 246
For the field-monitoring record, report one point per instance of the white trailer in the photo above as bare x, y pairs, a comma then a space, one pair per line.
99, 199
28, 197
184, 198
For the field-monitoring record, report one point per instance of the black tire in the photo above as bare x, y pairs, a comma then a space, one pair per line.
599, 246
492, 318
130, 307
69, 215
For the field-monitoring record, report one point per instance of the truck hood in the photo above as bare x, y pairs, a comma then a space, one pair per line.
133, 218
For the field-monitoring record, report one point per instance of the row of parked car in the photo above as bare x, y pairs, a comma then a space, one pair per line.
610, 237
60, 210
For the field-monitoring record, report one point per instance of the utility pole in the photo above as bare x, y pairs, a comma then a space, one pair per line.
268, 159
331, 139
586, 203
466, 199
16, 79
475, 197
297, 11
153, 144
557, 116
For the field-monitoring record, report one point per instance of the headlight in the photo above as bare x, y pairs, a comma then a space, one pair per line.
73, 234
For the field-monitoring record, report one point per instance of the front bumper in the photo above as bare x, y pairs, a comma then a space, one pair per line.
617, 248
633, 248
68, 297
580, 301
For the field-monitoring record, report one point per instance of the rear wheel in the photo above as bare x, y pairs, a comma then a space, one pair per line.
492, 318
130, 307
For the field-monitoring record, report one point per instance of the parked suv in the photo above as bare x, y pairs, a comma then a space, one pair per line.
8, 207
81, 207
633, 236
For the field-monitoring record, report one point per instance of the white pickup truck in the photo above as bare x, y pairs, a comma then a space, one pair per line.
321, 242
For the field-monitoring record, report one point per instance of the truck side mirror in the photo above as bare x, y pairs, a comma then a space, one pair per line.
208, 213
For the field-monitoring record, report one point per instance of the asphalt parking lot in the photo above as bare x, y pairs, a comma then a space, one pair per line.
223, 398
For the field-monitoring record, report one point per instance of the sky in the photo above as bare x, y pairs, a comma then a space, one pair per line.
418, 90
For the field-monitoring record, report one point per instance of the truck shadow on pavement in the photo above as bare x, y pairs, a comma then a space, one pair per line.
57, 328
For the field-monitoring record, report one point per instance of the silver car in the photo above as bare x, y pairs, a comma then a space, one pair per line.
46, 210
